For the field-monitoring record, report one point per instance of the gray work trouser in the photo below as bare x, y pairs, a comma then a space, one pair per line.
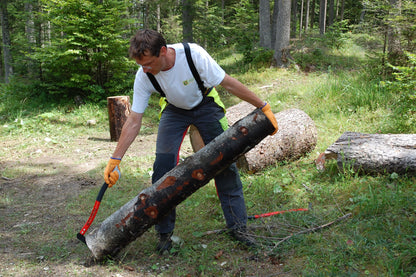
173, 126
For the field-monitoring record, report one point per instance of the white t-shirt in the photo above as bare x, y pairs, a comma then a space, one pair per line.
178, 83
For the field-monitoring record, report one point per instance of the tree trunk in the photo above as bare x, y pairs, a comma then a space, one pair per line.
153, 203
281, 55
331, 12
294, 10
264, 24
341, 14
308, 4
274, 22
158, 18
394, 49
7, 55
187, 31
322, 17
118, 111
313, 13
301, 19
30, 36
373, 153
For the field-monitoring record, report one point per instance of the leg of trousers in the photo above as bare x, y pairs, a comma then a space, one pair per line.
173, 126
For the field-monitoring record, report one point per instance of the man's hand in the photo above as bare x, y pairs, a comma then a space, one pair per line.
110, 175
270, 115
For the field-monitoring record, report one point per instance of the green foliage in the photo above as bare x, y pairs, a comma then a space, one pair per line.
404, 86
244, 35
209, 30
88, 48
405, 76
336, 36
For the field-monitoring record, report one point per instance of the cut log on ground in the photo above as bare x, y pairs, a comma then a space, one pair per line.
373, 153
118, 111
154, 202
296, 137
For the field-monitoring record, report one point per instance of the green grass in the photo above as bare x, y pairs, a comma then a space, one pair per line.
340, 95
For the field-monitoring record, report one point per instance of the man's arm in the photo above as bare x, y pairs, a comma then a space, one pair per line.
129, 132
131, 129
236, 88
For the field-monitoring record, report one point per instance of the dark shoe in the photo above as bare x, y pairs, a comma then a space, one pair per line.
243, 237
165, 243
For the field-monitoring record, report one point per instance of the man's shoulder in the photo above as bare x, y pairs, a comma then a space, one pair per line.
194, 47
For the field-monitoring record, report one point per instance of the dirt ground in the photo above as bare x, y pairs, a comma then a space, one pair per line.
37, 181
48, 176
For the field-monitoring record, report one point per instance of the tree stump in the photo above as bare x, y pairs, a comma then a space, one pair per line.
155, 202
372, 153
118, 111
296, 136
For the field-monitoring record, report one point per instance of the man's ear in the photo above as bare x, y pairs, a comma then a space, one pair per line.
163, 51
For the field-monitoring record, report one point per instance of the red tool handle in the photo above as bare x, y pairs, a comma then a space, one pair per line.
94, 211
275, 213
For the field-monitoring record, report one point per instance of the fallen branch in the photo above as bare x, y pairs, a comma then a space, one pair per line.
281, 240
314, 229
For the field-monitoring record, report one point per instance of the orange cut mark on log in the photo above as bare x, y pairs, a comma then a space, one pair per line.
198, 174
244, 130
152, 212
169, 181
217, 159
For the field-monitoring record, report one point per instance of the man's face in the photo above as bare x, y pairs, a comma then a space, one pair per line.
152, 64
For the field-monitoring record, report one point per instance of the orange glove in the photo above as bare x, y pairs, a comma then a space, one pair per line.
270, 115
112, 172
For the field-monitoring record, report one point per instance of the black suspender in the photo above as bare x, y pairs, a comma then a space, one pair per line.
191, 67
155, 84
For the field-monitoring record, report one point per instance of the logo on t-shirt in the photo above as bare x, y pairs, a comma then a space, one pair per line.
187, 82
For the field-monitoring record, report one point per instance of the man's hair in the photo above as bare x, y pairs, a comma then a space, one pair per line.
146, 41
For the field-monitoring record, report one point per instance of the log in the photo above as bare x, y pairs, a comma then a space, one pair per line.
118, 111
372, 153
153, 203
297, 136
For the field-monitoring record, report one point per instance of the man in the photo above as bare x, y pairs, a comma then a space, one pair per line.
185, 104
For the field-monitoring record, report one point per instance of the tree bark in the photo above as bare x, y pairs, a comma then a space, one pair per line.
274, 22
331, 12
153, 203
373, 153
395, 51
308, 4
281, 55
187, 31
118, 111
313, 13
341, 14
322, 17
294, 10
7, 55
264, 24
301, 19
